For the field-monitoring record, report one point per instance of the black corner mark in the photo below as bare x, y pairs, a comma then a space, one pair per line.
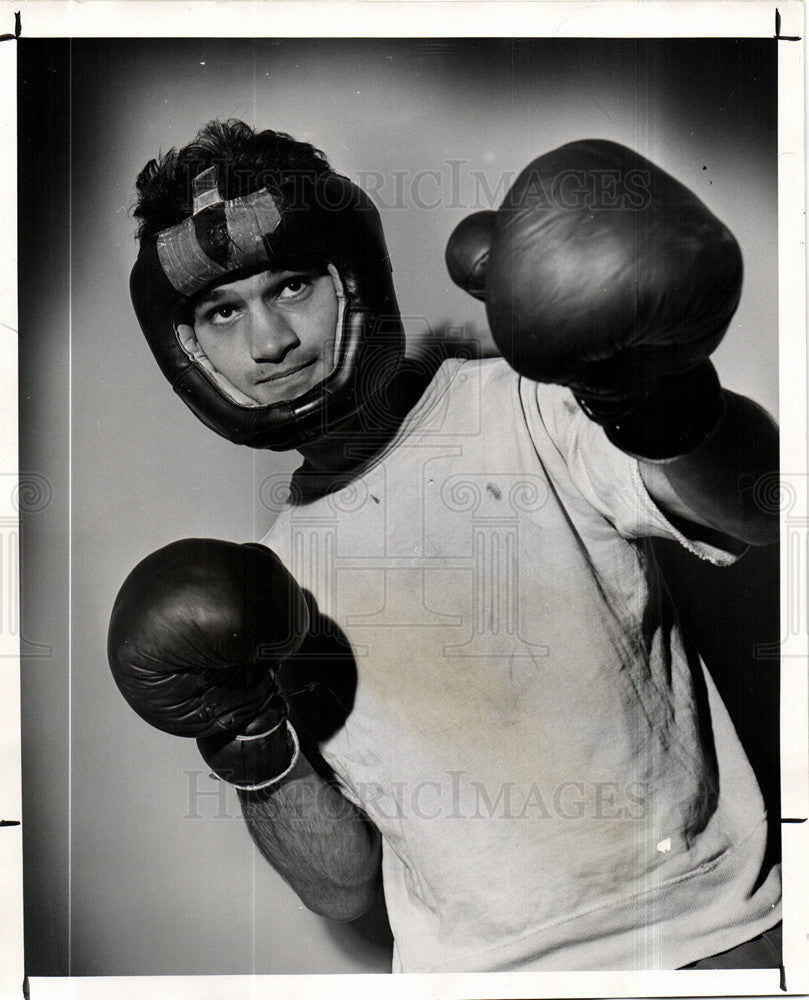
26, 991
778, 36
783, 982
9, 822
17, 29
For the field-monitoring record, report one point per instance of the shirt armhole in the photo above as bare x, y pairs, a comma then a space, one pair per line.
609, 479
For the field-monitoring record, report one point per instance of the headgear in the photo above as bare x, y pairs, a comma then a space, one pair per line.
321, 218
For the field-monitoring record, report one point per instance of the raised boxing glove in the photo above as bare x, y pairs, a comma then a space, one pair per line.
197, 633
603, 273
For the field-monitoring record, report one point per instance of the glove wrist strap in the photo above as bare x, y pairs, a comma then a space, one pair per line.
676, 416
295, 751
246, 738
258, 758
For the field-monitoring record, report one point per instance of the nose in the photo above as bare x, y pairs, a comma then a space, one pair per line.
271, 336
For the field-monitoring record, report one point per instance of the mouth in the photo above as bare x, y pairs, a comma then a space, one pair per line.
276, 377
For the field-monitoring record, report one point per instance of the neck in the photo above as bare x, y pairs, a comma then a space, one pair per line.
361, 438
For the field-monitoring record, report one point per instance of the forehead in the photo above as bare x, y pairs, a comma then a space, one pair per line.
252, 284
249, 285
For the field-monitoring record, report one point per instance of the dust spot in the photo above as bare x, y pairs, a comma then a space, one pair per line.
491, 488
375, 499
664, 846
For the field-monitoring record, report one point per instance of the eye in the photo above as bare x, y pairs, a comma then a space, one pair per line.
224, 312
295, 286
220, 314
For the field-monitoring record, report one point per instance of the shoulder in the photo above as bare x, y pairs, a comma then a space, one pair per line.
490, 388
466, 375
464, 391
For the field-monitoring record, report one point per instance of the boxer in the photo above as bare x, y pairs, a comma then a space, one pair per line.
526, 703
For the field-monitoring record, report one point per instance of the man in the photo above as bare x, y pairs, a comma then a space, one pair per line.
521, 740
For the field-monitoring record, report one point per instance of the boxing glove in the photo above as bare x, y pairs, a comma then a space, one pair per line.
603, 273
196, 636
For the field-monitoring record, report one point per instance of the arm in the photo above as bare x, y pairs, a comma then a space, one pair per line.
711, 486
624, 304
197, 635
320, 844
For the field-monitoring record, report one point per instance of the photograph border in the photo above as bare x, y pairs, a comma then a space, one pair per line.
427, 18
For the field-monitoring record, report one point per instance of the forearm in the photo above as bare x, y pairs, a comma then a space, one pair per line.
319, 843
713, 485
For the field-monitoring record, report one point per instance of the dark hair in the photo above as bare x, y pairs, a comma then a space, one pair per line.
247, 161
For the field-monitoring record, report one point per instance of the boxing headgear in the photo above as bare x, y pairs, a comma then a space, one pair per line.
322, 218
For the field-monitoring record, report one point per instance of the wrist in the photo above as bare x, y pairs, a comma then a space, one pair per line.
672, 416
262, 754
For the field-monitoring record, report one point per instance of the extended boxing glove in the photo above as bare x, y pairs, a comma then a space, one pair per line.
603, 273
196, 636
